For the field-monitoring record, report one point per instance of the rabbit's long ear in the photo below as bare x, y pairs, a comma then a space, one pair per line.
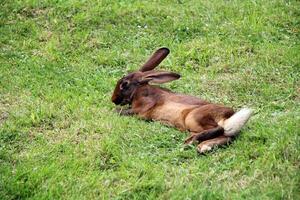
155, 59
159, 77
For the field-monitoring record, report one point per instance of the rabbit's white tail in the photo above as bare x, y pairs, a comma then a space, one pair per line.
234, 124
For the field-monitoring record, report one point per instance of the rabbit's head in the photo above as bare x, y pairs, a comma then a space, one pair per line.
127, 86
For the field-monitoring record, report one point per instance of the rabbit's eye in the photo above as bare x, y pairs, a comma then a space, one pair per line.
124, 85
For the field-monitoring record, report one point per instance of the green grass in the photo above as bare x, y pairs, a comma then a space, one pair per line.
61, 139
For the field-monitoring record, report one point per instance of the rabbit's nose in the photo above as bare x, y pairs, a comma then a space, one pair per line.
116, 99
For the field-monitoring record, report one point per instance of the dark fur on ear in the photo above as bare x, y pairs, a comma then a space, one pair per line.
155, 59
159, 77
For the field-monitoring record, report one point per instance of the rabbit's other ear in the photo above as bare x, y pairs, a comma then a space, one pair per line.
155, 59
159, 77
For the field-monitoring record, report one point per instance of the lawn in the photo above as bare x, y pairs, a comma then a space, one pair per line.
60, 137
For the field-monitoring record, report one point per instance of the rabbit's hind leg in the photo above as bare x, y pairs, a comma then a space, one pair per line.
208, 145
204, 135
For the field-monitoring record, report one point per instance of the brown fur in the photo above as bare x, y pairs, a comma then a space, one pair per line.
204, 120
183, 112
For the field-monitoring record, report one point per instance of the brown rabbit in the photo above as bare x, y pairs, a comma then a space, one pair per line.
209, 124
